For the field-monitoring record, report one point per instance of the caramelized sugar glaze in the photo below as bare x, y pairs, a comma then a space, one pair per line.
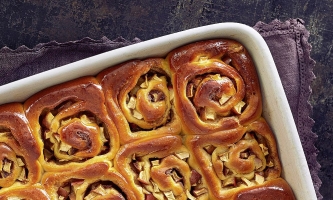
187, 126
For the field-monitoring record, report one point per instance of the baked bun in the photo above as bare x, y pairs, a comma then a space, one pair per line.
18, 148
233, 160
139, 95
216, 86
157, 167
71, 124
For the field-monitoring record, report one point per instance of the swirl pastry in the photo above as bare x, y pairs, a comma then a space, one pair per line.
235, 160
18, 149
24, 192
157, 168
216, 86
71, 124
140, 97
95, 181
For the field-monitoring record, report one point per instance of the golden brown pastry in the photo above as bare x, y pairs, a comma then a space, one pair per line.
157, 168
236, 160
29, 192
140, 98
216, 86
93, 181
276, 189
18, 148
71, 124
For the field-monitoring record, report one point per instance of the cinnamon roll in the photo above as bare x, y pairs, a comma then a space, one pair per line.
157, 168
139, 94
93, 181
19, 150
71, 124
216, 86
235, 160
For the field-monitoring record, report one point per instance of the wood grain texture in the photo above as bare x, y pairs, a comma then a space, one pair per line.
29, 22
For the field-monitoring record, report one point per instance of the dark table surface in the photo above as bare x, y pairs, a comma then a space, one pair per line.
24, 22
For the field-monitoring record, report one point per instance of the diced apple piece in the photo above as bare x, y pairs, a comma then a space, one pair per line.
64, 147
238, 107
137, 115
100, 190
22, 176
224, 99
6, 166
247, 182
155, 162
210, 114
183, 155
158, 195
169, 195
224, 156
132, 103
264, 149
145, 83
20, 162
259, 179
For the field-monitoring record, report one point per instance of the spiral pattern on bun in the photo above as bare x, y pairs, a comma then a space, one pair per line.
236, 159
18, 148
72, 124
140, 97
216, 86
157, 168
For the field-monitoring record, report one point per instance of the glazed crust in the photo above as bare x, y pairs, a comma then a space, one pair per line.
97, 181
139, 96
233, 160
18, 148
216, 86
276, 189
24, 192
71, 124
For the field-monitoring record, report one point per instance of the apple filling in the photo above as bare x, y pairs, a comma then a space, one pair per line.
148, 104
12, 167
167, 178
215, 96
72, 136
242, 163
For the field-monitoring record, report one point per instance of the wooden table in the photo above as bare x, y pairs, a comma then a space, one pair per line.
24, 22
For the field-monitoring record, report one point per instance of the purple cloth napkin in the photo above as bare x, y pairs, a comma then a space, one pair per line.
288, 42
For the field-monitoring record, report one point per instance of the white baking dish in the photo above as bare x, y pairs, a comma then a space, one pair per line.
275, 105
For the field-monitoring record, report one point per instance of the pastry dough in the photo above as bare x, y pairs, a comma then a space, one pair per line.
71, 124
24, 192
